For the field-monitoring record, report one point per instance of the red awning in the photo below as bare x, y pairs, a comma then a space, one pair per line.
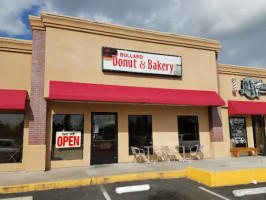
129, 94
245, 107
13, 99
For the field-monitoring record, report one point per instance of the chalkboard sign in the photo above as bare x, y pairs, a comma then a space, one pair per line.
238, 132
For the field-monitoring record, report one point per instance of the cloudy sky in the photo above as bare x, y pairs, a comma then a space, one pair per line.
240, 25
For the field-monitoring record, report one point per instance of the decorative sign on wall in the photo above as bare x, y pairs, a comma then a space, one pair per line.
68, 139
140, 62
252, 88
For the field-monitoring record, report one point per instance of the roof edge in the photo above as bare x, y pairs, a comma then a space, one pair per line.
241, 70
90, 26
36, 23
15, 45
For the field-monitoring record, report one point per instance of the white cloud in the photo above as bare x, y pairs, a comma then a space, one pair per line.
193, 17
48, 7
238, 24
239, 16
10, 16
216, 19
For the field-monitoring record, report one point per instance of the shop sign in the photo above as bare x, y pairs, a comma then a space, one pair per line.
95, 129
68, 139
140, 62
252, 88
239, 140
238, 131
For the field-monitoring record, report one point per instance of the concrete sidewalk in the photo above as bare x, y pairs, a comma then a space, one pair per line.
208, 171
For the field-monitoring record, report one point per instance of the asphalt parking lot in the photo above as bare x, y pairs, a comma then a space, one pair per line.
170, 189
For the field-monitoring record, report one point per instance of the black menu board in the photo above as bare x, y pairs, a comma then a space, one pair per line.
238, 132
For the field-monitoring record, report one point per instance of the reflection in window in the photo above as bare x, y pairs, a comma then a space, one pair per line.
11, 137
238, 133
188, 130
140, 131
67, 137
259, 133
104, 127
104, 138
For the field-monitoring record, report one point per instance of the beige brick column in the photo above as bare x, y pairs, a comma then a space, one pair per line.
38, 106
216, 126
215, 119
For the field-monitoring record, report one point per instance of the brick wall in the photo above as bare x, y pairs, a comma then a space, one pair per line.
216, 128
38, 105
215, 117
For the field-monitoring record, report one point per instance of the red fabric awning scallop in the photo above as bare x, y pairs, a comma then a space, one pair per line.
245, 107
13, 99
113, 93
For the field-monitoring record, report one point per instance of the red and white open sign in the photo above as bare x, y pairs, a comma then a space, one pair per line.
68, 139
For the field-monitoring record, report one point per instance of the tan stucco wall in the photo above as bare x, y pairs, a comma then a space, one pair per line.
15, 64
226, 131
164, 126
77, 57
35, 157
227, 72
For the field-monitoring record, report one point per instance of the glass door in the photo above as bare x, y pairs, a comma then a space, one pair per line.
104, 138
259, 133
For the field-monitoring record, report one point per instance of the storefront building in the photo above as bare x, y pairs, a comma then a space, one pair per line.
243, 90
82, 92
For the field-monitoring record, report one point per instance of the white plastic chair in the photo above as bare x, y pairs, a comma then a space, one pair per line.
158, 153
198, 153
138, 153
172, 153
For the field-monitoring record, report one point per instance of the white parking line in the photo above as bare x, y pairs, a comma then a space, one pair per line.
213, 193
250, 191
20, 198
133, 188
105, 194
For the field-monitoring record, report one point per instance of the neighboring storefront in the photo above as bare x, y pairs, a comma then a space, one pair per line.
96, 89
15, 78
244, 92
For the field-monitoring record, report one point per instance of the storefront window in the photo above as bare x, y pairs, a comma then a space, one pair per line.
259, 133
188, 130
67, 138
238, 133
140, 131
11, 137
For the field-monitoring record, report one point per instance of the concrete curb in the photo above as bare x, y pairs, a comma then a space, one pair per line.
91, 181
211, 179
226, 178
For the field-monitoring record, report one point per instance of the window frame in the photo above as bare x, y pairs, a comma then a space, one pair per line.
52, 138
230, 132
17, 112
196, 126
129, 149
